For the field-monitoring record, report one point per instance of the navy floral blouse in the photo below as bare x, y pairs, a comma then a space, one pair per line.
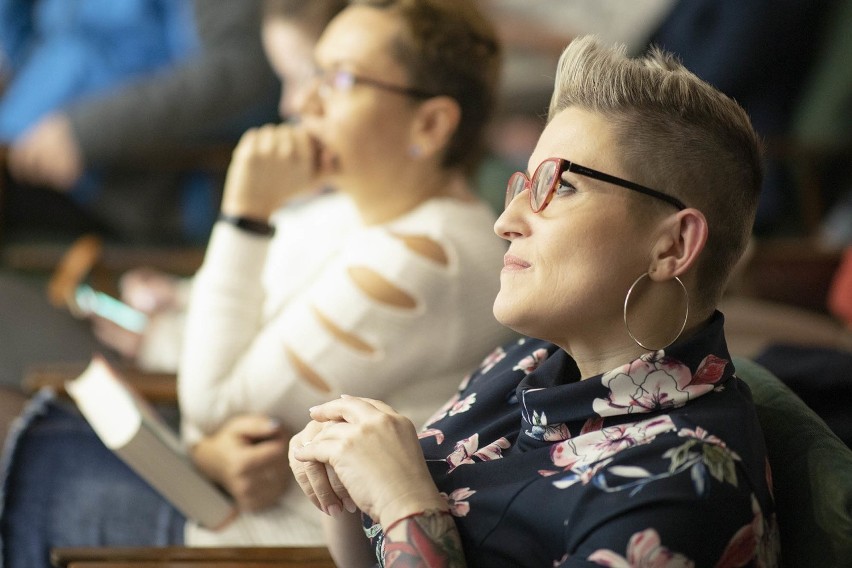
658, 463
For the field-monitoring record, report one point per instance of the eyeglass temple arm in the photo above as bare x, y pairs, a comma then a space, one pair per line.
588, 172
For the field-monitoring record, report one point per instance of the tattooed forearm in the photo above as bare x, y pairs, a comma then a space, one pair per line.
427, 540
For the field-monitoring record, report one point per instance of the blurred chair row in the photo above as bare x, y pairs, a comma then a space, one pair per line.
42, 257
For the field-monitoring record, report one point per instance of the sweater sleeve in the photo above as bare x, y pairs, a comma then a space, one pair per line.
332, 336
210, 92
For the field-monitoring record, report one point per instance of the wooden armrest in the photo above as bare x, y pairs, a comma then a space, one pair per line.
115, 259
154, 387
221, 557
793, 271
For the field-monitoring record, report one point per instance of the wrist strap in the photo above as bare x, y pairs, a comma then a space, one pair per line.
249, 225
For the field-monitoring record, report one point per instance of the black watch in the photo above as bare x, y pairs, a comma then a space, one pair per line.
249, 225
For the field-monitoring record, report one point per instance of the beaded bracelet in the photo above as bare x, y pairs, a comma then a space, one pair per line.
254, 226
423, 513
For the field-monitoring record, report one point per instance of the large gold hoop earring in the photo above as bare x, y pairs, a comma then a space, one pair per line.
627, 325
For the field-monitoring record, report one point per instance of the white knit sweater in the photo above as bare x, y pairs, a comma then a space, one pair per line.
255, 299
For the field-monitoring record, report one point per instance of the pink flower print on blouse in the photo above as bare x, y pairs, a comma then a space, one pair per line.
654, 382
592, 425
531, 362
758, 539
462, 405
709, 371
645, 550
455, 405
430, 432
706, 456
701, 434
492, 359
467, 449
442, 412
459, 507
584, 455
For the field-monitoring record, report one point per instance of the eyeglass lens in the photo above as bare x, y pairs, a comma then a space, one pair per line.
517, 183
334, 81
542, 181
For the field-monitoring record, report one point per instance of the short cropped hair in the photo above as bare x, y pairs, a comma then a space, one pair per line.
450, 48
676, 133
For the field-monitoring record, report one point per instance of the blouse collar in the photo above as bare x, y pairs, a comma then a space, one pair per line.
556, 404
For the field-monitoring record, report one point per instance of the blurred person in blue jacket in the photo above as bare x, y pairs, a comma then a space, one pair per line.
97, 92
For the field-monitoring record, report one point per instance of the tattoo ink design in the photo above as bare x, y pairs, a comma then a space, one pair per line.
424, 540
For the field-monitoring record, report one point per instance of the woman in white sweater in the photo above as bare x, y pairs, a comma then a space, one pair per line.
382, 288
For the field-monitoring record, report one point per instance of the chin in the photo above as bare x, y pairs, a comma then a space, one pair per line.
506, 312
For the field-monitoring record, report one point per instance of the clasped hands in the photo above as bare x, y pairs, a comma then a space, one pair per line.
360, 453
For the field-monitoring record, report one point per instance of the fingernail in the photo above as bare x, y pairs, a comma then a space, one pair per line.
349, 505
334, 510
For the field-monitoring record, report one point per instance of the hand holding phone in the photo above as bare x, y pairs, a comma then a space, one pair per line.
87, 302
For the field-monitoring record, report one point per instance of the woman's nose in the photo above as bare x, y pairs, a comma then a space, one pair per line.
305, 97
512, 222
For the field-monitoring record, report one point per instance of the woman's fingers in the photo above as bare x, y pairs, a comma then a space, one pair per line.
247, 456
271, 164
309, 456
310, 464
305, 471
340, 490
317, 475
350, 409
363, 441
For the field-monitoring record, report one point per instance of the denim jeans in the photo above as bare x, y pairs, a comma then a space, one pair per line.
63, 487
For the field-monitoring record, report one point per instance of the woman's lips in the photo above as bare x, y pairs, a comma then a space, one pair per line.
512, 263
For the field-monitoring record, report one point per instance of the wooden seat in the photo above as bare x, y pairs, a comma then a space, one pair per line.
157, 388
792, 271
186, 557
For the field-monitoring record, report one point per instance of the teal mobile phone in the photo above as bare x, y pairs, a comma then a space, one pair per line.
90, 301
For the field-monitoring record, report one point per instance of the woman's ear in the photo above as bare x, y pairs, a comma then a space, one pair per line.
679, 244
436, 121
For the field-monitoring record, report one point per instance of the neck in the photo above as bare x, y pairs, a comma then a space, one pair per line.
593, 361
382, 202
594, 358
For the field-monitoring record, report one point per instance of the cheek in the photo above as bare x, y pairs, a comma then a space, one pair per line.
576, 276
363, 135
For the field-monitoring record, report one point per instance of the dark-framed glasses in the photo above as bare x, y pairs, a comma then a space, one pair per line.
547, 177
341, 81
